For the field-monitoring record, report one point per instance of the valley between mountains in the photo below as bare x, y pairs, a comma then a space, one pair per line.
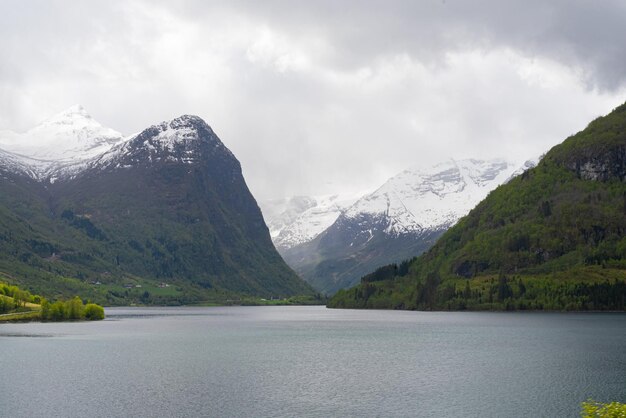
333, 241
165, 217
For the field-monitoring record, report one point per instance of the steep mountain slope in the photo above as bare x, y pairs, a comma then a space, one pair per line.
401, 219
168, 205
552, 238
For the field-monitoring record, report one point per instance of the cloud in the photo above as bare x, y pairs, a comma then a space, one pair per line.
324, 96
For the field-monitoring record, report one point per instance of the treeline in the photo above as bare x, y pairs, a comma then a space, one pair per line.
71, 310
388, 272
518, 293
14, 300
502, 292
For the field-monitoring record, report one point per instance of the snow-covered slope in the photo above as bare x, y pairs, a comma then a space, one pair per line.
68, 135
433, 198
62, 141
299, 219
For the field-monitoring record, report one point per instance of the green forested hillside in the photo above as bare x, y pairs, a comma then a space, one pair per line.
552, 238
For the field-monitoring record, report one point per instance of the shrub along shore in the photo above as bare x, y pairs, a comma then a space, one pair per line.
19, 305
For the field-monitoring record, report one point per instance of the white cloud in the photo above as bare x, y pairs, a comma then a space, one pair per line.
269, 49
321, 97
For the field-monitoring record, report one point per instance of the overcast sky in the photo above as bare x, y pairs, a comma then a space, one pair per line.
318, 97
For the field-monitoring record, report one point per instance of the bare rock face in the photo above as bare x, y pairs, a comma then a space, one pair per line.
598, 153
603, 167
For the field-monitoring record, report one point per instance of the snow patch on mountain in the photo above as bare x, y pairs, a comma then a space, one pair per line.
299, 219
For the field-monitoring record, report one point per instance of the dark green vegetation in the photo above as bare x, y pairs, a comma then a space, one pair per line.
20, 305
553, 238
157, 222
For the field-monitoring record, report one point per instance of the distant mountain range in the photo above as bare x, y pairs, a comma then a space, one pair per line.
552, 238
163, 216
334, 241
299, 219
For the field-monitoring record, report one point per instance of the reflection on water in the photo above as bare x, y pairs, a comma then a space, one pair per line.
9, 334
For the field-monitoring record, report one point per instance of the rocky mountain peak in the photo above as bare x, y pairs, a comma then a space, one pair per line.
183, 139
188, 121
180, 130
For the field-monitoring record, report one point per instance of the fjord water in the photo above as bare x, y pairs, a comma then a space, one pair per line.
312, 361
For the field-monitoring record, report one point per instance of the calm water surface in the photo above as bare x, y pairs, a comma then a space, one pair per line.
311, 361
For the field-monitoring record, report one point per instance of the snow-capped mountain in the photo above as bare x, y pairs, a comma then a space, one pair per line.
72, 142
399, 220
62, 141
175, 141
418, 199
299, 219
82, 204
